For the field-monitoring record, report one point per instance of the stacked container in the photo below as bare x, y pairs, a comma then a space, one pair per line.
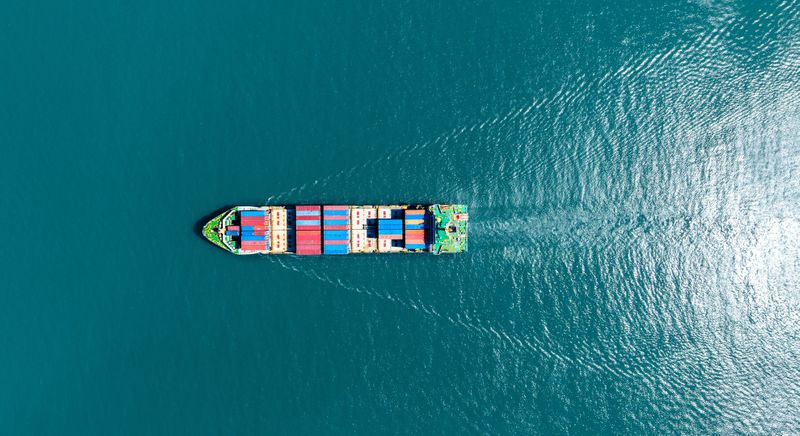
389, 230
336, 226
363, 229
232, 231
308, 234
415, 229
278, 230
386, 212
254, 225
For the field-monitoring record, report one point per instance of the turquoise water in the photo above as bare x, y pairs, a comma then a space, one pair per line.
632, 169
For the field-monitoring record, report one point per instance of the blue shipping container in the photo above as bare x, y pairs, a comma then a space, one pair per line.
307, 222
307, 213
415, 226
335, 213
335, 222
390, 224
253, 238
253, 213
390, 231
232, 233
335, 234
415, 246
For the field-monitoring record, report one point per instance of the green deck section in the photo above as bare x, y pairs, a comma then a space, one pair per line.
210, 231
449, 232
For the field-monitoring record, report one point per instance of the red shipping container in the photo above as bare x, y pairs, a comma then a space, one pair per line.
336, 242
340, 227
392, 237
309, 234
306, 228
233, 227
307, 207
309, 250
259, 223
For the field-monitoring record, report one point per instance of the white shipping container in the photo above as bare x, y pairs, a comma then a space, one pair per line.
359, 216
278, 241
358, 241
386, 211
278, 218
371, 212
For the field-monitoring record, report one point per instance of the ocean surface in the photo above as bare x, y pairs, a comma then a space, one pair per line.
632, 170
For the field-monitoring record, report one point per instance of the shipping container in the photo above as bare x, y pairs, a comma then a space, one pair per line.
308, 236
254, 243
245, 213
253, 238
314, 213
391, 237
359, 216
307, 207
279, 240
390, 224
415, 246
232, 233
327, 227
337, 242
249, 223
233, 227
384, 212
358, 240
335, 213
372, 245
300, 228
278, 218
335, 234
390, 231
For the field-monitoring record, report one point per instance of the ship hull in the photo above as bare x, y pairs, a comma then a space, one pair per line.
340, 229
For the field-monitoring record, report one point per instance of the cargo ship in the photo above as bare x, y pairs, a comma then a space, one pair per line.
340, 229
